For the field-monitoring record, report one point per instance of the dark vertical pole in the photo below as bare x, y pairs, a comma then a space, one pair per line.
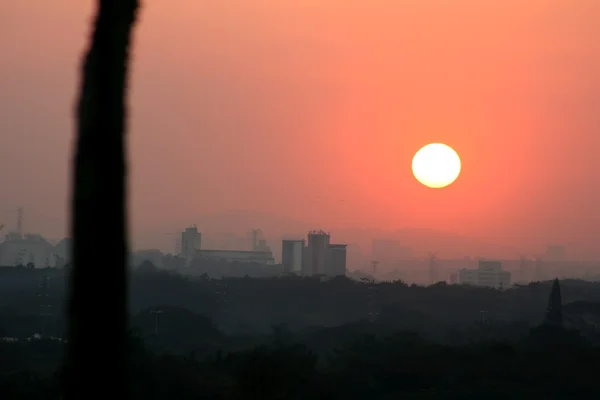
96, 359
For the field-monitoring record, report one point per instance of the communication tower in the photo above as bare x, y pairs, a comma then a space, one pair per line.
374, 266
20, 221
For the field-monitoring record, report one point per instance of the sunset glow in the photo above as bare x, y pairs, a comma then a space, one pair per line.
230, 100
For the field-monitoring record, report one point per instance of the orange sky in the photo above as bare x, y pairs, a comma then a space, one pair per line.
290, 107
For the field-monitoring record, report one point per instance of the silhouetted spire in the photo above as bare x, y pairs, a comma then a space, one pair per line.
554, 310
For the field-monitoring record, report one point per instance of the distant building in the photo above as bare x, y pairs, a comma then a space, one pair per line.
338, 259
488, 273
191, 241
467, 276
292, 255
260, 257
318, 254
453, 278
320, 257
27, 250
258, 241
261, 246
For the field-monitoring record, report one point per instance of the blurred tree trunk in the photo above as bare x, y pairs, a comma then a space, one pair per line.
96, 354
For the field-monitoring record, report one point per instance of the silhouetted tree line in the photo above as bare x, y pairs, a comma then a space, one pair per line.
214, 268
178, 354
370, 365
247, 306
220, 269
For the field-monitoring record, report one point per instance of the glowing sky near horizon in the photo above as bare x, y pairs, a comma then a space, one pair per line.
291, 107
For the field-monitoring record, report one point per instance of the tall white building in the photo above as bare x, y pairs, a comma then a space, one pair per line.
488, 273
191, 240
292, 255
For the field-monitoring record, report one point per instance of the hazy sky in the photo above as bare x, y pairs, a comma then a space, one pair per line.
292, 106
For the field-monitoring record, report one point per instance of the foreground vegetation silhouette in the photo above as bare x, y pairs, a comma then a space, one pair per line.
191, 350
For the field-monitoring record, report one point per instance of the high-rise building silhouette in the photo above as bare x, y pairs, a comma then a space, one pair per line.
191, 240
337, 259
320, 257
318, 253
292, 256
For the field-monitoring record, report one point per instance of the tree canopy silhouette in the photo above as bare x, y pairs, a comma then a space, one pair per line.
554, 315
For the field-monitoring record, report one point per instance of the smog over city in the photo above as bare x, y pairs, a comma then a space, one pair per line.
299, 199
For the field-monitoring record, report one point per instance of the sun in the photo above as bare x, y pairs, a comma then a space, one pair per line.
436, 165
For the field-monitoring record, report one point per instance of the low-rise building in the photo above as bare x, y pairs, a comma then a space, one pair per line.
488, 273
27, 250
260, 257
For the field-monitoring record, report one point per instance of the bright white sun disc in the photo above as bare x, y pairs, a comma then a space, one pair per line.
436, 165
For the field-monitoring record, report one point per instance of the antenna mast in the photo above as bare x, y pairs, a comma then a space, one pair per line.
374, 265
20, 220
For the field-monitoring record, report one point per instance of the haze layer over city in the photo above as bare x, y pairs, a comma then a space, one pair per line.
306, 115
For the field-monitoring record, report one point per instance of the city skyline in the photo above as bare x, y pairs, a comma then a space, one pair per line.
216, 228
